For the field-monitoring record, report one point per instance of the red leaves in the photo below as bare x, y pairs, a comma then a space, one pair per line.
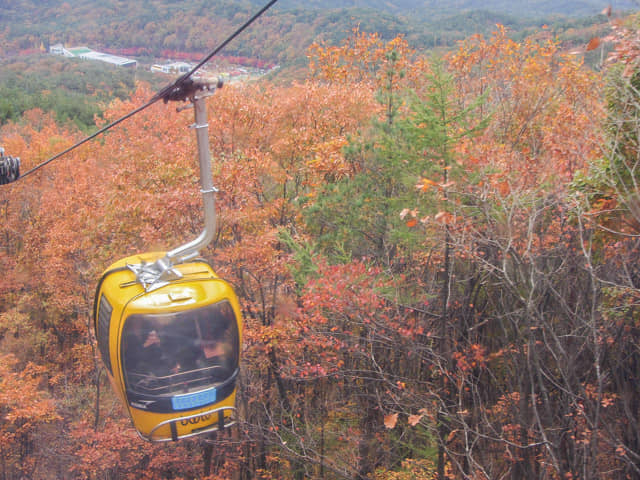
425, 184
363, 58
25, 407
594, 43
546, 132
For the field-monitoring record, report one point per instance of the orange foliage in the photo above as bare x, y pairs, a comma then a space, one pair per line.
356, 341
542, 105
25, 409
365, 59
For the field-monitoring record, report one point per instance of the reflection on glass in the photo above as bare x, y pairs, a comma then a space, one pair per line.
175, 353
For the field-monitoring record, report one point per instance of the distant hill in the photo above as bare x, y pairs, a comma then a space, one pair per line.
152, 29
534, 8
437, 8
283, 34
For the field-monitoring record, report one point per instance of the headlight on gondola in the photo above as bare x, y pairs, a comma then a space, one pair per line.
172, 353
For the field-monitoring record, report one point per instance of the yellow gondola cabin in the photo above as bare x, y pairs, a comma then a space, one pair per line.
172, 353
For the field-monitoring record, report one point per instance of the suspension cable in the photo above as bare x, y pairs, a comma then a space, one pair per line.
86, 139
179, 90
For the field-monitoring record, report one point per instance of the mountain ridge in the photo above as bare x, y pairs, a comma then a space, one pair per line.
283, 33
521, 8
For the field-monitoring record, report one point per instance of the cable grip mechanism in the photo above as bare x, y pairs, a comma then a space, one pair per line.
187, 89
9, 168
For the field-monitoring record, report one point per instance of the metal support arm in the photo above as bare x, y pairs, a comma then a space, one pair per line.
192, 249
159, 273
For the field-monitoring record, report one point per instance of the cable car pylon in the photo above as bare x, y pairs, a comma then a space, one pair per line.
168, 327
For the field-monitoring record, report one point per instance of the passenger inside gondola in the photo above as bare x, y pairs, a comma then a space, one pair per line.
219, 338
143, 352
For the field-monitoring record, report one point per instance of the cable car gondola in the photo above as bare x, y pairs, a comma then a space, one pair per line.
9, 168
169, 328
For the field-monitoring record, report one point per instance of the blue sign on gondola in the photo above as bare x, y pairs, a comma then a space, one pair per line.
194, 400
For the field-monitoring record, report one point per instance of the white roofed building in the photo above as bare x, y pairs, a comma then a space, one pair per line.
88, 54
108, 58
171, 67
58, 49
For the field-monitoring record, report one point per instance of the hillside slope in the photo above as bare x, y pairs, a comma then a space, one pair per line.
282, 35
429, 8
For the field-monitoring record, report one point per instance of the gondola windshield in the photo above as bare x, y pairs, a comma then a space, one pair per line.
176, 354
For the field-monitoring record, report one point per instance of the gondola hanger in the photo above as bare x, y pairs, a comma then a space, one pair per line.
156, 274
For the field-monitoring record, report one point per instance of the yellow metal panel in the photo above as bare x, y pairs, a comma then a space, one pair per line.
146, 422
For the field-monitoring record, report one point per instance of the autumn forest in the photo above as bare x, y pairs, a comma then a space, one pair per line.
437, 259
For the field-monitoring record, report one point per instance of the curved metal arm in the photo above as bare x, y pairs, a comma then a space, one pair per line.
192, 249
155, 275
